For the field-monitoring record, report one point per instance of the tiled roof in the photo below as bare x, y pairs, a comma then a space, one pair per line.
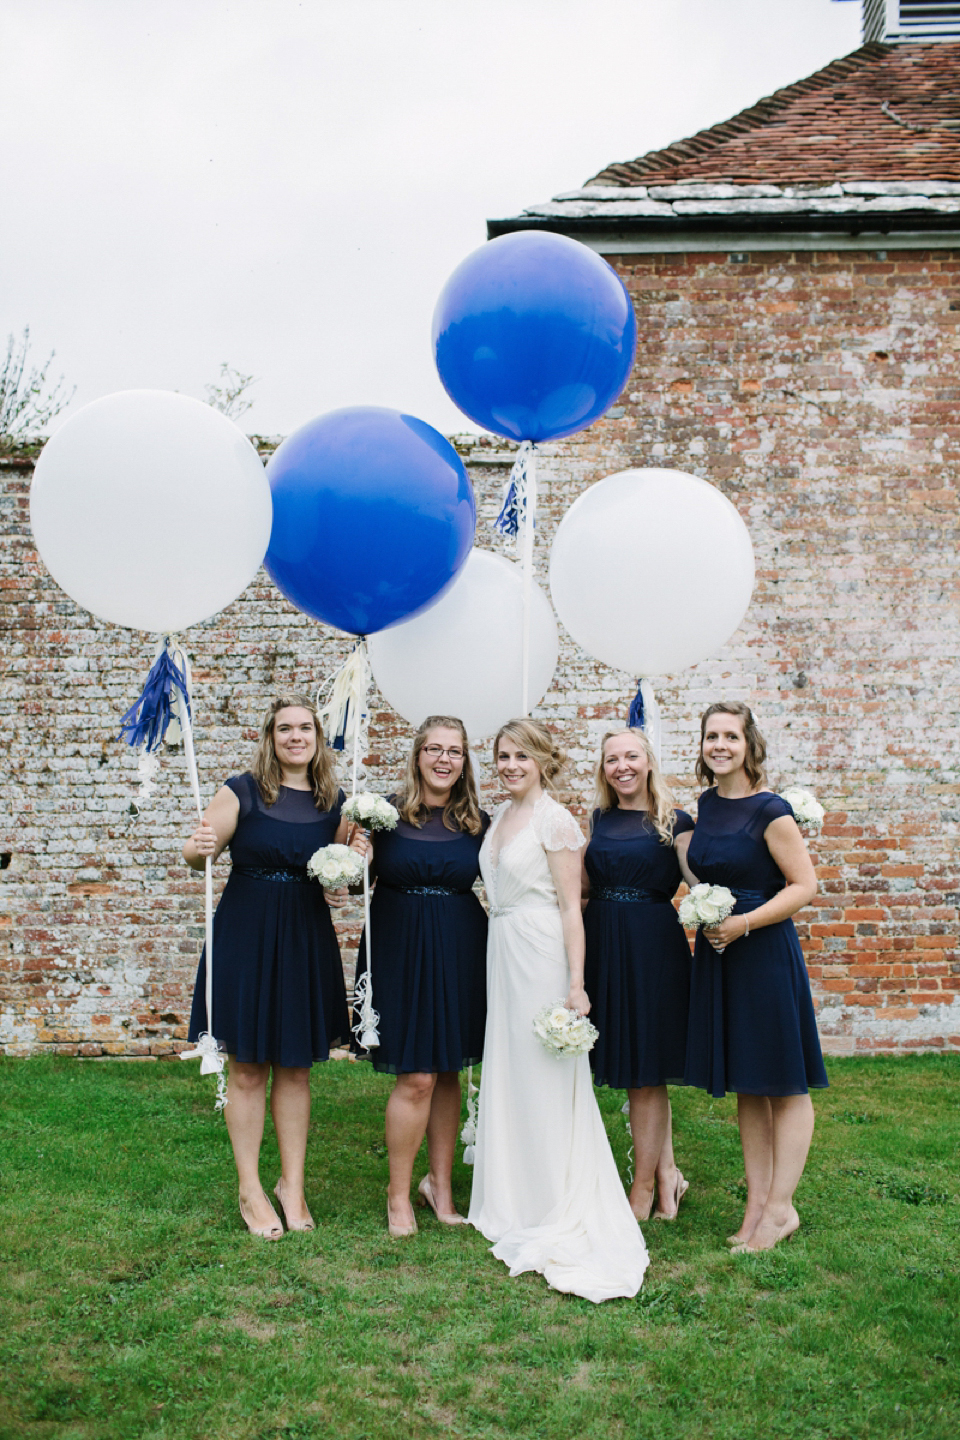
885, 113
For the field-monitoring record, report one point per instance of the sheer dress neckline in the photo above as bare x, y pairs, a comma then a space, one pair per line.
495, 858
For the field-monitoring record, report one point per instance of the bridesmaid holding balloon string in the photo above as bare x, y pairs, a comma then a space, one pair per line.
638, 958
278, 994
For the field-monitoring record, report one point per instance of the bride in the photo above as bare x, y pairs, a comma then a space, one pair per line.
545, 1185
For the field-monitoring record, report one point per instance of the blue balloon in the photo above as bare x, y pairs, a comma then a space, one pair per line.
373, 517
534, 336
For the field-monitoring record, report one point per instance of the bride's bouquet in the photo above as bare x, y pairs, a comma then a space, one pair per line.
335, 866
563, 1032
807, 810
706, 905
371, 812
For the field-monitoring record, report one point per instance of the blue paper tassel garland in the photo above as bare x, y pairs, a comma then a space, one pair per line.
145, 723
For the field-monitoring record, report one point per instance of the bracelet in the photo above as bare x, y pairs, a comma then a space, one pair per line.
746, 923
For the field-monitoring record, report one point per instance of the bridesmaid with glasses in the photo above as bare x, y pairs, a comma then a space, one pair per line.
430, 941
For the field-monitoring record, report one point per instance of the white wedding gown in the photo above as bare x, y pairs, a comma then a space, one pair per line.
545, 1185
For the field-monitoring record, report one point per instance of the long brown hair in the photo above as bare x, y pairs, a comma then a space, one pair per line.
661, 810
266, 767
462, 810
756, 745
534, 737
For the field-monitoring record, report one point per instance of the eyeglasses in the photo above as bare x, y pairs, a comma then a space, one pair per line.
435, 751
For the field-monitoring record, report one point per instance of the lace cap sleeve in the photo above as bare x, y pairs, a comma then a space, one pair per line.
554, 827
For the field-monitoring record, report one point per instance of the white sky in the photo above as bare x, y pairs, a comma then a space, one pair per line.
286, 186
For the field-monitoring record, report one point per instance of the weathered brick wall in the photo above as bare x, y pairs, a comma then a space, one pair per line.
817, 391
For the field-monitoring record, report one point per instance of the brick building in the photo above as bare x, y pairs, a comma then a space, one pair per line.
796, 275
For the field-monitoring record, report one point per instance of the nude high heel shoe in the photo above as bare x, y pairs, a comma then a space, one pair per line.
273, 1230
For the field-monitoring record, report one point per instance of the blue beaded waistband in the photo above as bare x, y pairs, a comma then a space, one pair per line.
421, 889
630, 893
273, 872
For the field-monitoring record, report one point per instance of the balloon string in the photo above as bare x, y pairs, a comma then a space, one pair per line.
208, 1049
529, 512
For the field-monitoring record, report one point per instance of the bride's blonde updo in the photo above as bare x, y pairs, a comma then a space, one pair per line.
533, 737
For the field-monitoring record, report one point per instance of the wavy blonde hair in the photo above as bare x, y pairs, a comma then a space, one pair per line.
662, 803
462, 810
754, 763
266, 767
534, 737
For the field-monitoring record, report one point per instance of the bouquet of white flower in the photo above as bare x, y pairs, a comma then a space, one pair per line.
706, 905
371, 812
563, 1032
807, 810
335, 865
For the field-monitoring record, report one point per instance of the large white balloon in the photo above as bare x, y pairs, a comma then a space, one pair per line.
651, 570
151, 509
464, 655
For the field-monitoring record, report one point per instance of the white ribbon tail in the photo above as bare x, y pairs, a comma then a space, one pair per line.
365, 1026
211, 1058
625, 1110
343, 711
651, 717
210, 1054
468, 1135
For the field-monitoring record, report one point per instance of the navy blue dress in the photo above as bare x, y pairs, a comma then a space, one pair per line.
278, 992
637, 972
429, 948
752, 1026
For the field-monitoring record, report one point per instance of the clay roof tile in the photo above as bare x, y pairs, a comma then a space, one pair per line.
884, 113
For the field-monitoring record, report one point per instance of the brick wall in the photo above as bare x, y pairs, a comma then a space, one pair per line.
818, 392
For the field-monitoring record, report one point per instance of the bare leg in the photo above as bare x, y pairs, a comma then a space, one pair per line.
290, 1108
792, 1134
649, 1127
408, 1113
245, 1111
755, 1116
671, 1186
442, 1130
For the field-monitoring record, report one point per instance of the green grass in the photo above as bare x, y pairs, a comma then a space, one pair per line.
133, 1303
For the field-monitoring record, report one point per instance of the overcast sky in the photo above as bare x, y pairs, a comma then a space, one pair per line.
286, 186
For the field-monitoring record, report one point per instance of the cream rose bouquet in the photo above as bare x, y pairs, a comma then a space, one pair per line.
807, 810
563, 1032
706, 905
335, 866
371, 812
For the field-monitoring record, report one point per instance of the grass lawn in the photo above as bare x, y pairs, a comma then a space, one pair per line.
133, 1303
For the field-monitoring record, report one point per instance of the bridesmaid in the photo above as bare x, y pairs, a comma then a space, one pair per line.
638, 958
429, 976
752, 1025
278, 995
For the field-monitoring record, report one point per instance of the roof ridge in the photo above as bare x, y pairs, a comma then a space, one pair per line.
753, 117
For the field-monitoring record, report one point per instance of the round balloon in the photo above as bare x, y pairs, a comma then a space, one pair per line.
534, 336
651, 570
464, 655
150, 509
373, 517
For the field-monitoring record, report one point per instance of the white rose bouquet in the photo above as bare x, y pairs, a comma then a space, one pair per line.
335, 866
807, 810
706, 905
371, 812
563, 1032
